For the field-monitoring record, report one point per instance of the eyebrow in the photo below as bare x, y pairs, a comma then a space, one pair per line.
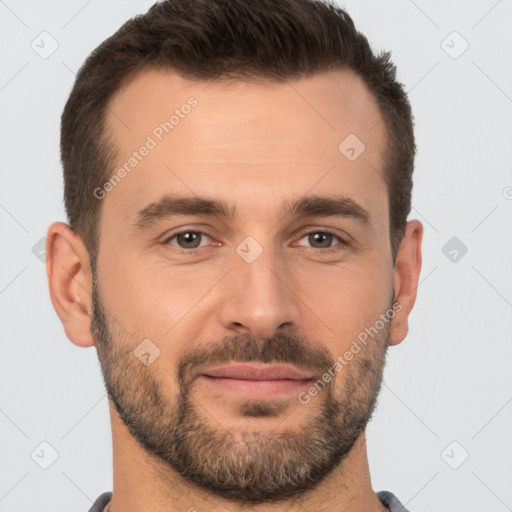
314, 206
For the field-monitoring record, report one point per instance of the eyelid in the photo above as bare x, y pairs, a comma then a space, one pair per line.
326, 231
168, 238
309, 230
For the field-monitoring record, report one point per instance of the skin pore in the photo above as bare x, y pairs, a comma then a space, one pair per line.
298, 292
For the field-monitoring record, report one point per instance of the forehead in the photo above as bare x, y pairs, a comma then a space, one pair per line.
254, 144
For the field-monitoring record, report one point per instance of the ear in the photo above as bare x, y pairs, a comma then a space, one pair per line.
406, 275
70, 282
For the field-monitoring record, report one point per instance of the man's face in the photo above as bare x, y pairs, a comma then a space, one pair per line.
264, 284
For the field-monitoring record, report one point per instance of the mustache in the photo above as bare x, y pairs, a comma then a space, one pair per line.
245, 348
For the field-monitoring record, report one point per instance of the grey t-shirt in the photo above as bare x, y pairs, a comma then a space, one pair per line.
387, 498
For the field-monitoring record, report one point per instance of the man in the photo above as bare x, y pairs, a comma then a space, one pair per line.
238, 178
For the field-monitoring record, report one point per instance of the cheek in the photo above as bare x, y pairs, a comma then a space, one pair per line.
342, 301
151, 299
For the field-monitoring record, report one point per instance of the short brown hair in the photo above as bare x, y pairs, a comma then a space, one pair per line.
247, 40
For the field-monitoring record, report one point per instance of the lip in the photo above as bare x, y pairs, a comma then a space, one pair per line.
256, 381
255, 372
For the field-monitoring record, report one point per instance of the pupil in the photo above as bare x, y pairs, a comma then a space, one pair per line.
324, 238
190, 238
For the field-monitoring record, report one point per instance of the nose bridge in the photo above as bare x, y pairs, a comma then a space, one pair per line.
259, 299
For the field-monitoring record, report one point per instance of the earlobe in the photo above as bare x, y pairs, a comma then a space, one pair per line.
70, 282
406, 275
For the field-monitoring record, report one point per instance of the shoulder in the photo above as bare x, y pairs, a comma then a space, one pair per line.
101, 502
390, 500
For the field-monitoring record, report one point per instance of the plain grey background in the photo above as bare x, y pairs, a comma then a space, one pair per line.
441, 436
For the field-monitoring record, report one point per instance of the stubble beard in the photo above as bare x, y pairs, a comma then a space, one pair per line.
249, 465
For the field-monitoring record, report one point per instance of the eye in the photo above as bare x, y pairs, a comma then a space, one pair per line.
187, 239
320, 239
324, 239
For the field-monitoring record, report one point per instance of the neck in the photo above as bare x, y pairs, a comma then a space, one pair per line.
143, 483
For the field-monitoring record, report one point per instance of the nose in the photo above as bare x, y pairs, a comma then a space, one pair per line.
258, 298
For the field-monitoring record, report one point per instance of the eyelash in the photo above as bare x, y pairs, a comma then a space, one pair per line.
335, 248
